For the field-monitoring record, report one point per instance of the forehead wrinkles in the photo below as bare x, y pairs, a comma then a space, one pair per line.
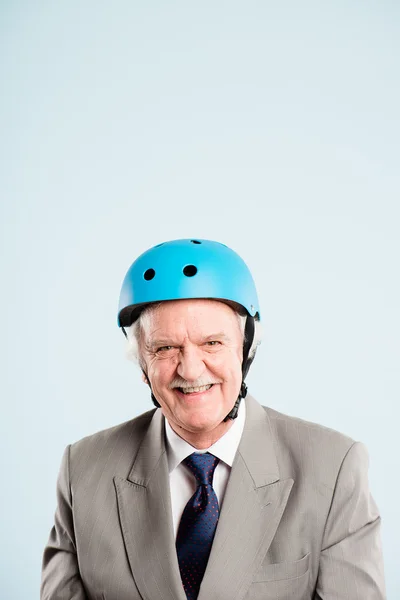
181, 337
190, 318
154, 333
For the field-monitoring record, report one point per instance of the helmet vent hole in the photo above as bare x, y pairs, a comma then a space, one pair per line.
195, 242
149, 274
190, 270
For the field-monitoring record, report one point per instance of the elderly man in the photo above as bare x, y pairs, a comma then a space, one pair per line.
210, 495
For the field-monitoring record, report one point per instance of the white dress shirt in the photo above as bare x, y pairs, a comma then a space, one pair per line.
182, 482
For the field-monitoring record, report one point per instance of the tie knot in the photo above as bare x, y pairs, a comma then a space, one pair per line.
202, 465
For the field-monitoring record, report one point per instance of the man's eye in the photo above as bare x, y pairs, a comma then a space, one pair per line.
164, 348
213, 343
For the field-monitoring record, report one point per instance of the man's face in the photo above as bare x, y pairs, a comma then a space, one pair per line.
189, 344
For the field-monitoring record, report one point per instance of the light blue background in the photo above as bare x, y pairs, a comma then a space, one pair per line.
270, 126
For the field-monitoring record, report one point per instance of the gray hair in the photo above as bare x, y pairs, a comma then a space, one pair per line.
134, 331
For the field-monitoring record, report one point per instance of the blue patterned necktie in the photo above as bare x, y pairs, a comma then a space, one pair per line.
198, 523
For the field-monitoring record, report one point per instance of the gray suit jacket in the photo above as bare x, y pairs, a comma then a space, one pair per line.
297, 521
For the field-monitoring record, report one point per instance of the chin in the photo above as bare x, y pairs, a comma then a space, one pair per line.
203, 424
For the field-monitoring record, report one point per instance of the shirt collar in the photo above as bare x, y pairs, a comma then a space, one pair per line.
224, 448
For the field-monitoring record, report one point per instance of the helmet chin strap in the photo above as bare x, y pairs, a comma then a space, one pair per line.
155, 401
248, 336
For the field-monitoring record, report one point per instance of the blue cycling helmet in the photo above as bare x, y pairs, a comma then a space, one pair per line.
188, 268
191, 268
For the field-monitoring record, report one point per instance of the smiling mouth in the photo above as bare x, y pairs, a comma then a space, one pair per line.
193, 390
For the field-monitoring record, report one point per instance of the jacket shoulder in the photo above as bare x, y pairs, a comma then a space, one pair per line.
114, 447
116, 430
308, 448
286, 422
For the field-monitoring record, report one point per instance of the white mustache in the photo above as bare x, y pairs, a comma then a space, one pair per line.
179, 382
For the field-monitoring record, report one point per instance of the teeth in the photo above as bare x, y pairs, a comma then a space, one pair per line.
190, 390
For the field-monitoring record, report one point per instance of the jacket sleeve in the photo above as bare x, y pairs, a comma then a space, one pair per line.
60, 570
351, 564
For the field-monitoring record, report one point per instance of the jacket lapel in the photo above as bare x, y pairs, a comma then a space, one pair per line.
144, 505
254, 502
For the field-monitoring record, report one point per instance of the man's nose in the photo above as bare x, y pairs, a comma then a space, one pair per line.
191, 365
